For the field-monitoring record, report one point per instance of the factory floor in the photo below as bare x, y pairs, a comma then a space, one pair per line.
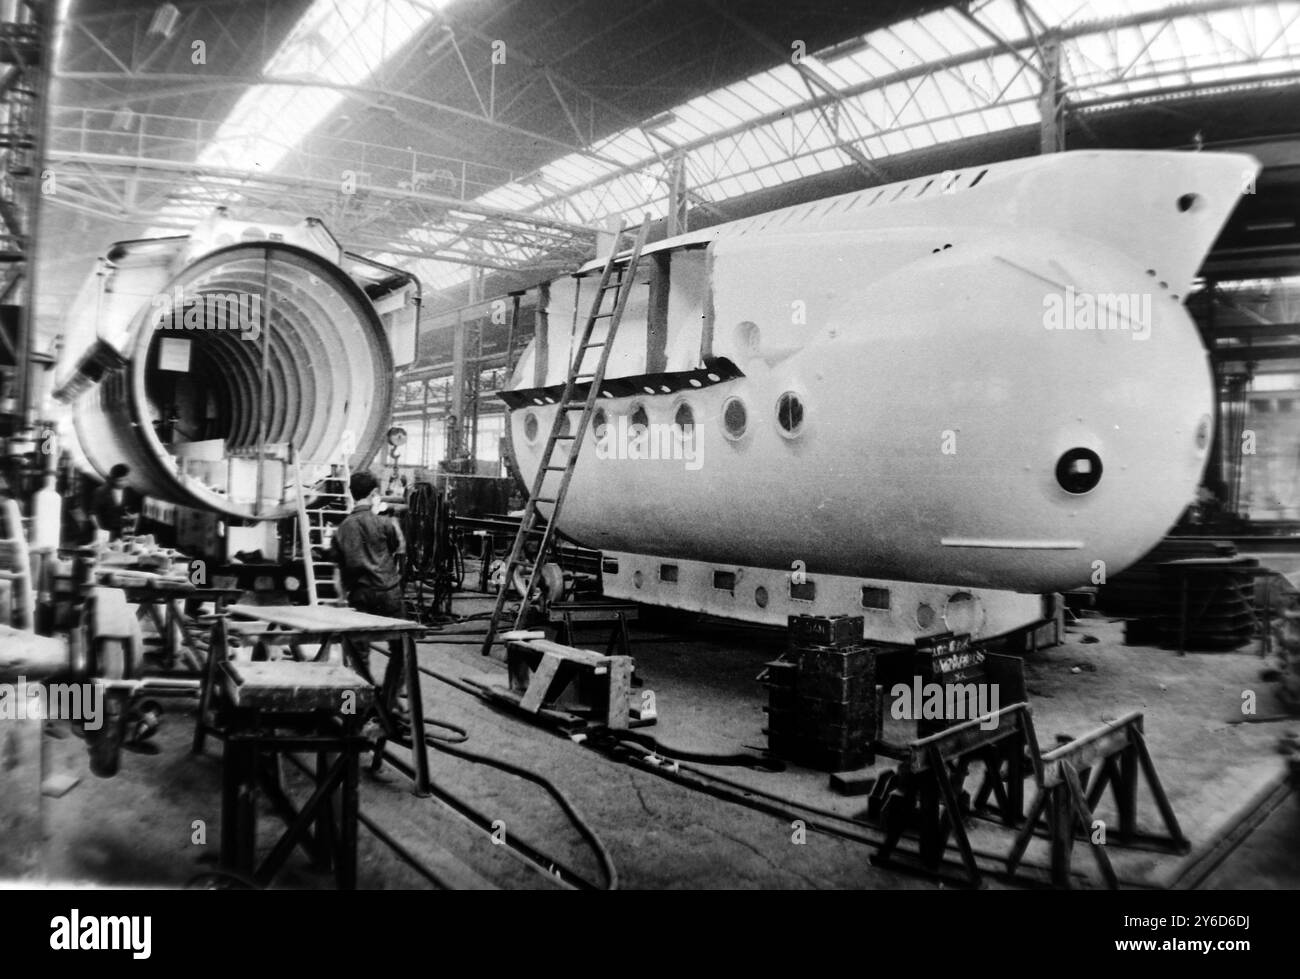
158, 821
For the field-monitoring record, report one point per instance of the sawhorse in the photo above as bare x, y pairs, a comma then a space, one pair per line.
264, 710
1112, 755
298, 626
171, 623
934, 769
565, 614
541, 670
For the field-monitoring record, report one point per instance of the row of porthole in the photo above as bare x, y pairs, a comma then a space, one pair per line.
873, 598
735, 418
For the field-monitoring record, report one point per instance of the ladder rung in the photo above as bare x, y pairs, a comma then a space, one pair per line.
598, 343
555, 469
602, 316
544, 499
567, 437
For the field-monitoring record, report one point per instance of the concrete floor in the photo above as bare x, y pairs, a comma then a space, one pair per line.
142, 826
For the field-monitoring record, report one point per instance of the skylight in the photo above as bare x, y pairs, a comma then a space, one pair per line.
933, 79
333, 44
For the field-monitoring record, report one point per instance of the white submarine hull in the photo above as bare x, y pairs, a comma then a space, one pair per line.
959, 393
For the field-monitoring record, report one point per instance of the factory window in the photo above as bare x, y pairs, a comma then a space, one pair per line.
668, 573
875, 598
1261, 406
789, 413
609, 565
804, 591
734, 418
724, 580
530, 427
1285, 406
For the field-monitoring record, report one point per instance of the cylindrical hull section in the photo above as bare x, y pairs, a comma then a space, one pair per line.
250, 351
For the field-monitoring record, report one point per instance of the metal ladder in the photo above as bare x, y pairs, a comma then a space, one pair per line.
316, 530
617, 277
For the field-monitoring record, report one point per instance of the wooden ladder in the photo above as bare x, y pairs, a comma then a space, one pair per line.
616, 277
316, 526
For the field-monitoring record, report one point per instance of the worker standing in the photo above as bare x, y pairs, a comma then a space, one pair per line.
111, 508
367, 548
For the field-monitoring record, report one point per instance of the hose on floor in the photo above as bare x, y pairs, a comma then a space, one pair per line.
447, 746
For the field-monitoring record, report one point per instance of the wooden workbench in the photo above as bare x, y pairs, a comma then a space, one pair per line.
298, 625
269, 709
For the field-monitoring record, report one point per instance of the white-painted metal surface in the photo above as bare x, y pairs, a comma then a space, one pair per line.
928, 330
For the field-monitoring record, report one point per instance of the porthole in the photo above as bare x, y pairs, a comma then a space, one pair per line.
530, 427
735, 418
789, 414
963, 613
638, 579
1078, 471
599, 425
1188, 202
760, 596
640, 418
924, 615
684, 419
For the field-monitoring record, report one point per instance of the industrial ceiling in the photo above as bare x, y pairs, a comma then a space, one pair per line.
451, 137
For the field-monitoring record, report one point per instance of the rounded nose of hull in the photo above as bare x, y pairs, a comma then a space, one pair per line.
1042, 443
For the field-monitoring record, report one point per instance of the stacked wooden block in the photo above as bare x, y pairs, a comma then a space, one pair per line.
822, 694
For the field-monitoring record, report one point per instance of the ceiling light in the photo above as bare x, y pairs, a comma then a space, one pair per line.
164, 21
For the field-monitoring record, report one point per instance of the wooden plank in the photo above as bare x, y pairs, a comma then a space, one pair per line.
591, 613
585, 657
325, 618
617, 715
543, 676
1086, 751
285, 685
966, 737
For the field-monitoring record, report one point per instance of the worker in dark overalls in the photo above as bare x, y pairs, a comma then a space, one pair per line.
367, 549
112, 507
